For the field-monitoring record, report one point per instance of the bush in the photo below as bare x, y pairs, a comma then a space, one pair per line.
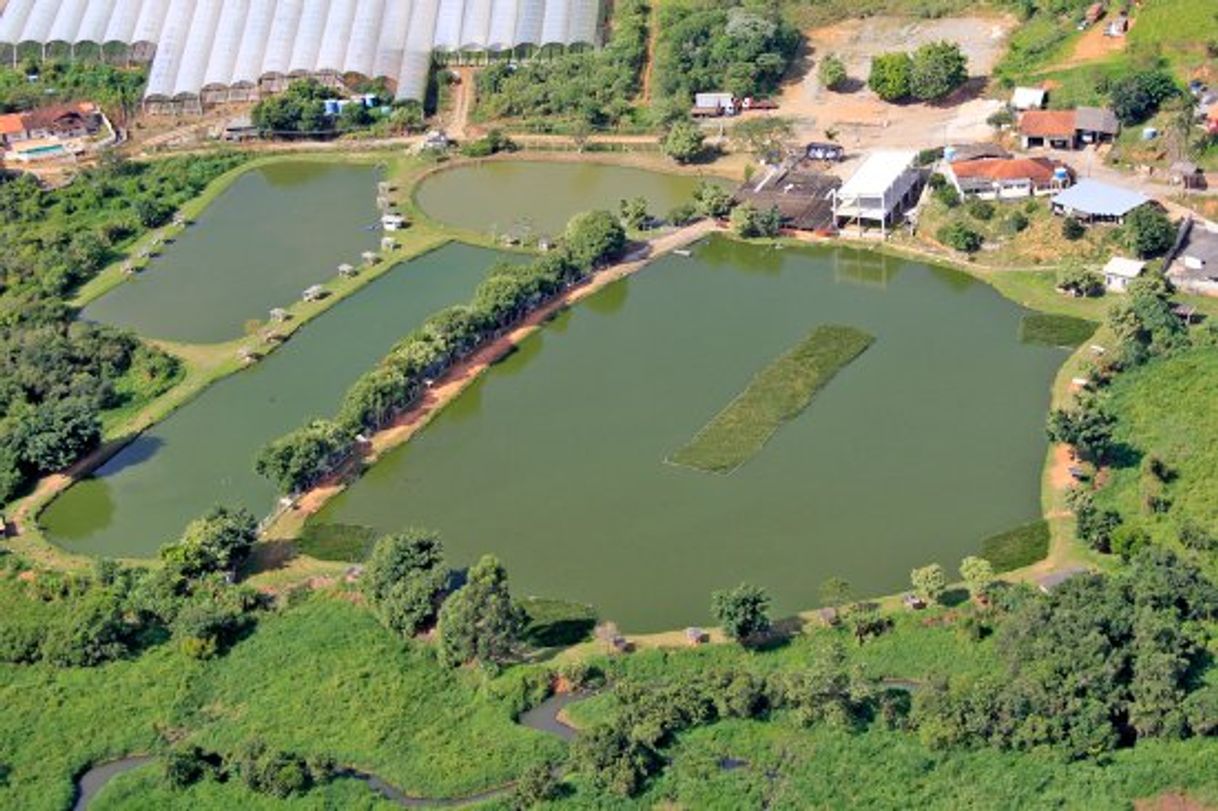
682, 214
186, 765
743, 611
947, 195
890, 76
1149, 231
832, 72
936, 69
684, 142
535, 786
1080, 281
960, 237
272, 772
980, 209
1072, 229
1016, 223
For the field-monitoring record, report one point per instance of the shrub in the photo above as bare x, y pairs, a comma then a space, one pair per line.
980, 209
947, 195
535, 786
682, 214
936, 69
890, 76
1080, 281
684, 142
959, 236
273, 772
1072, 229
1149, 231
184, 766
743, 611
1015, 223
832, 72
929, 582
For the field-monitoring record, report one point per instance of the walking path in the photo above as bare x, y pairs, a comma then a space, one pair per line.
454, 382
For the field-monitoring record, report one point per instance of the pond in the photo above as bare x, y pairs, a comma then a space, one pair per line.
203, 454
929, 442
277, 230
536, 198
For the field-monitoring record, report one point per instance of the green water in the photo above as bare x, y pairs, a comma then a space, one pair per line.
930, 441
274, 232
203, 454
536, 198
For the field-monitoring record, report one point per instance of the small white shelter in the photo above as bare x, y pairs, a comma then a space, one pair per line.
879, 191
1029, 98
1119, 272
393, 222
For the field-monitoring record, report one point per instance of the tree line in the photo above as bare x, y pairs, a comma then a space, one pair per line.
510, 292
58, 375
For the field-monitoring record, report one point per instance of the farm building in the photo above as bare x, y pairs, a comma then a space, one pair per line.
1029, 98
212, 51
1195, 265
880, 190
1002, 178
1119, 272
803, 198
1067, 129
1093, 201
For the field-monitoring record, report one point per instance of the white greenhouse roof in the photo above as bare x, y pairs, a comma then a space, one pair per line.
879, 172
223, 43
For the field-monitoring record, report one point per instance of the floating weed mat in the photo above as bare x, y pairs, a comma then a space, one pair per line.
778, 393
1055, 330
341, 542
1018, 547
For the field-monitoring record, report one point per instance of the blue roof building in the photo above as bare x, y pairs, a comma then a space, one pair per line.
1093, 201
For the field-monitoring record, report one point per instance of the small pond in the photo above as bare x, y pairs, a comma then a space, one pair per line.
536, 198
203, 454
274, 232
554, 460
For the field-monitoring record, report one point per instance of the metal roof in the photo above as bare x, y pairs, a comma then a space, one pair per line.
1100, 199
879, 172
225, 43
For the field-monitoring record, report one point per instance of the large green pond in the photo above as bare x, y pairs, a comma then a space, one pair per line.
203, 454
536, 198
274, 232
554, 460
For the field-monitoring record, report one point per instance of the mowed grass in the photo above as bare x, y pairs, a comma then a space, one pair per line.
1055, 330
1168, 409
320, 678
1018, 547
777, 394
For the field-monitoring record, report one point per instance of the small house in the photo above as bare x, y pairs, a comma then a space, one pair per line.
1119, 272
1187, 174
435, 140
279, 314
1118, 26
1029, 98
388, 243
1195, 267
1092, 201
1005, 178
1051, 128
369, 257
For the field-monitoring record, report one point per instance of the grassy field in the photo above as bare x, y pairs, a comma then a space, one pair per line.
320, 678
1017, 547
1048, 329
777, 394
1169, 410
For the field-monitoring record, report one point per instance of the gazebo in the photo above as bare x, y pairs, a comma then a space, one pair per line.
346, 270
369, 257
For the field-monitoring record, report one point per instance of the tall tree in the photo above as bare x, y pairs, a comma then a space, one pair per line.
480, 621
742, 611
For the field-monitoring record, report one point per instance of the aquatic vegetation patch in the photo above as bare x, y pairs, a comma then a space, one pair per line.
776, 395
1018, 547
1047, 329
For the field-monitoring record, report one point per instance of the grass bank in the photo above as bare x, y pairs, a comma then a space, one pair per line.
776, 395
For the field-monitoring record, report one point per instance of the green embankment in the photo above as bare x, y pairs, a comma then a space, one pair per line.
1167, 410
777, 394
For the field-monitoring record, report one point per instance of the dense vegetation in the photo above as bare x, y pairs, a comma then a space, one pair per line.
509, 293
34, 82
301, 111
741, 47
931, 72
776, 395
58, 375
592, 87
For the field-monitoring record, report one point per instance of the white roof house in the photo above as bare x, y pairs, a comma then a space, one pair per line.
1029, 98
878, 190
1119, 272
1092, 200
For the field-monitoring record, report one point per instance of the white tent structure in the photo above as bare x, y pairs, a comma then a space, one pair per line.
209, 51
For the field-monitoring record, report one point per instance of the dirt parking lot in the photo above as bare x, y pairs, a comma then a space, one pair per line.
860, 118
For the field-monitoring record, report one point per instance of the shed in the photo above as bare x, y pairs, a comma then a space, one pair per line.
879, 191
346, 270
388, 243
279, 314
369, 257
1187, 174
1095, 125
393, 222
1029, 98
1054, 128
1120, 271
1093, 201
314, 293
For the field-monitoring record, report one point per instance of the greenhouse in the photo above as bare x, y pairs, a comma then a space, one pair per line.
212, 51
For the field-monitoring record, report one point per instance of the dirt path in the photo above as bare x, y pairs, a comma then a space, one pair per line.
653, 35
454, 382
1093, 46
463, 103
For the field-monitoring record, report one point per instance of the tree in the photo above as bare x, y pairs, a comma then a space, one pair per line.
220, 541
1150, 232
274, 772
535, 786
835, 592
748, 222
404, 578
1072, 229
929, 582
684, 142
1080, 281
633, 212
57, 433
480, 621
890, 77
959, 236
742, 611
978, 574
832, 72
1136, 96
297, 460
612, 760
712, 200
764, 137
593, 238
1088, 429
936, 69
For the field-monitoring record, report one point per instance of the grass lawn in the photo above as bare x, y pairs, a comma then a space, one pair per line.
322, 677
1168, 409
777, 394
1180, 29
1055, 330
1017, 547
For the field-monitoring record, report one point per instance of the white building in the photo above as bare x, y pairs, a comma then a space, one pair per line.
1119, 272
880, 190
1029, 98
